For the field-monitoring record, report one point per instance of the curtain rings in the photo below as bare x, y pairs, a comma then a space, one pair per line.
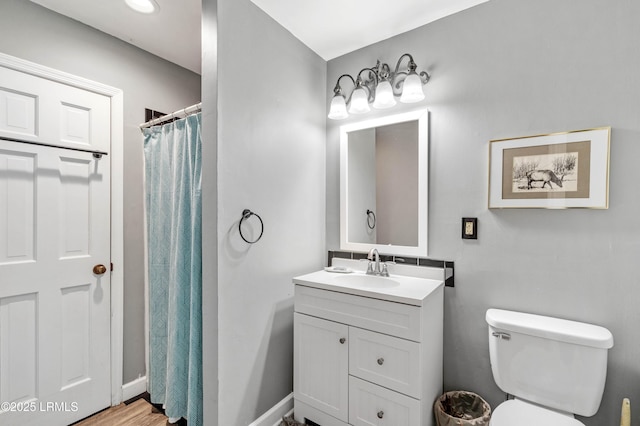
371, 219
246, 214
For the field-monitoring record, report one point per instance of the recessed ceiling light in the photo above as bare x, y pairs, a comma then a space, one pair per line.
143, 6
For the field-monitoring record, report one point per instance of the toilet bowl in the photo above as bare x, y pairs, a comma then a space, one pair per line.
553, 367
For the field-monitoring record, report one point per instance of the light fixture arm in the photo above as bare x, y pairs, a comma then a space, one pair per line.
338, 89
370, 84
398, 77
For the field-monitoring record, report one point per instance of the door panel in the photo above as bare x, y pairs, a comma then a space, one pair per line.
18, 348
17, 216
76, 335
75, 124
17, 112
75, 197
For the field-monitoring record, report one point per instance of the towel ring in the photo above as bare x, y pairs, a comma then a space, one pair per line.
246, 214
371, 216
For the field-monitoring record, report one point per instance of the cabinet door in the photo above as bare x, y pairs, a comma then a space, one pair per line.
320, 365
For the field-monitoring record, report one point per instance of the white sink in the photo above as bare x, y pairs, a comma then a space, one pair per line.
396, 288
367, 281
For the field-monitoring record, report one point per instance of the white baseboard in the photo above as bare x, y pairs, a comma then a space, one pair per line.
134, 388
273, 417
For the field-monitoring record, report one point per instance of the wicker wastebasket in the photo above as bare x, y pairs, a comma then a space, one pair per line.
461, 408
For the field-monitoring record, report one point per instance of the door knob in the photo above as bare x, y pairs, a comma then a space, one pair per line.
342, 340
99, 269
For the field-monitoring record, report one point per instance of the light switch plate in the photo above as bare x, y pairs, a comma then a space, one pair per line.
469, 228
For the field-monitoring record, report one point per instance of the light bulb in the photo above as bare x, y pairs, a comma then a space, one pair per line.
384, 96
338, 110
412, 89
359, 101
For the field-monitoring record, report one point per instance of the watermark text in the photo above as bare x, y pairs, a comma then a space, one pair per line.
39, 406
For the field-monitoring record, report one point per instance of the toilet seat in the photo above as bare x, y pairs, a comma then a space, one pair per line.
522, 413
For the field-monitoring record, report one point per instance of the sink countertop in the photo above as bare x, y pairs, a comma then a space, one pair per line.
410, 290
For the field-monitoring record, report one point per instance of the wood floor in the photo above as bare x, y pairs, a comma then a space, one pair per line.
137, 413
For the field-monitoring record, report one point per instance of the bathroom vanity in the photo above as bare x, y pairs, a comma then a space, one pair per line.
367, 349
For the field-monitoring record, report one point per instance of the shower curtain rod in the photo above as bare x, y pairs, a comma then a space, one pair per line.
177, 114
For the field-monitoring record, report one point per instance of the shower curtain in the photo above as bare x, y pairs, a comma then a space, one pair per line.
172, 172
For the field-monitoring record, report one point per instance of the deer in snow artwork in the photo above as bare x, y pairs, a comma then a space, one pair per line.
544, 176
550, 172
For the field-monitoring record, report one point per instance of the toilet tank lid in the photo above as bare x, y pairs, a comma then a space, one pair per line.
550, 328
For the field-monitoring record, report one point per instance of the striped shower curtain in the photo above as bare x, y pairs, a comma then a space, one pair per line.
173, 203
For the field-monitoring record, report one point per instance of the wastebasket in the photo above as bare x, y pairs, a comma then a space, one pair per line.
461, 408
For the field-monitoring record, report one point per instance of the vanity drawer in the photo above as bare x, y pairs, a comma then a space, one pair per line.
303, 412
392, 318
371, 405
387, 361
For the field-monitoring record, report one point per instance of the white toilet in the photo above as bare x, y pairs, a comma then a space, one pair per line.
553, 368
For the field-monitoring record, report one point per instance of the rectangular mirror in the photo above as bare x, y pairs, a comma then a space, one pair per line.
384, 184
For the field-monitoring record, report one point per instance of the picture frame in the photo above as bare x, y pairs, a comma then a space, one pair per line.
553, 171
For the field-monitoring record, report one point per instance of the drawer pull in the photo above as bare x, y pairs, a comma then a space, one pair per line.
342, 340
380, 361
380, 414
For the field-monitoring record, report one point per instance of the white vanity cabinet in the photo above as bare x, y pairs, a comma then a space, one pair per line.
363, 360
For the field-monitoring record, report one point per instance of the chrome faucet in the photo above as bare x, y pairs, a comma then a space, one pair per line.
374, 268
373, 255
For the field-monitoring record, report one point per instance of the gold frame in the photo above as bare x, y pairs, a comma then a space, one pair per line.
599, 142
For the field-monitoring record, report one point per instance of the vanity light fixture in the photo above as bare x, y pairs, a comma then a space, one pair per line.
143, 6
380, 86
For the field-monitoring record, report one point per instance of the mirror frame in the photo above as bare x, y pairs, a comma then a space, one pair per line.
422, 116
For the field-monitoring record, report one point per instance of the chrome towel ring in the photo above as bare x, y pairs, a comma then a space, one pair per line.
246, 214
371, 219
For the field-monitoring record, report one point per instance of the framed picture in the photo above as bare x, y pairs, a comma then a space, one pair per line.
555, 171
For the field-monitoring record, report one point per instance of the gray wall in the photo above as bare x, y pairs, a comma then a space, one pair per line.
36, 34
270, 159
511, 68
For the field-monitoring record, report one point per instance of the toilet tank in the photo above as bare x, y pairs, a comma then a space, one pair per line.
553, 362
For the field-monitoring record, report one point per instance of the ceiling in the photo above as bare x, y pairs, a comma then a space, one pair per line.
331, 28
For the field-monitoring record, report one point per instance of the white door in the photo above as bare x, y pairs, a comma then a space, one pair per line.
320, 365
54, 229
